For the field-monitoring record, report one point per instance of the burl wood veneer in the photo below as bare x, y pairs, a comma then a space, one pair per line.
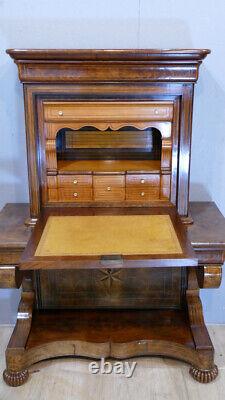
109, 269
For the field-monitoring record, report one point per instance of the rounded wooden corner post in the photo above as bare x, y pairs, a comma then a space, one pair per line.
203, 370
209, 276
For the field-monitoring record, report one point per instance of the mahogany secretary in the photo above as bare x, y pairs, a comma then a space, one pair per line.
108, 140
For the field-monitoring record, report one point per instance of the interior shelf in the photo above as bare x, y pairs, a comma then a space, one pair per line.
115, 326
120, 166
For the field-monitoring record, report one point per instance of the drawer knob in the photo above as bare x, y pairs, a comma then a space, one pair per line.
75, 194
109, 188
75, 181
156, 111
60, 112
142, 181
142, 194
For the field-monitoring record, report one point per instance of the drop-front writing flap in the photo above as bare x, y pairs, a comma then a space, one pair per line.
85, 238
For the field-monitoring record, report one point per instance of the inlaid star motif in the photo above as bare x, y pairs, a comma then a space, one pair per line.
110, 275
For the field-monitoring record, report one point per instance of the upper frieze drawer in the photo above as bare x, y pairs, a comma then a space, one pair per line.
108, 111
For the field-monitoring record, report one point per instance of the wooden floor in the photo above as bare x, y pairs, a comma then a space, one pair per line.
154, 378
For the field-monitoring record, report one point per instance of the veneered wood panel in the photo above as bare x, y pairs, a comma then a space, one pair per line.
165, 184
114, 326
126, 139
52, 188
70, 72
148, 288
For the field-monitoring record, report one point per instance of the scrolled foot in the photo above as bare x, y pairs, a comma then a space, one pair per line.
204, 375
13, 378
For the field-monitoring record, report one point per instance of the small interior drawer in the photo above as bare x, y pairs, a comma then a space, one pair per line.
144, 194
73, 181
142, 180
109, 188
75, 194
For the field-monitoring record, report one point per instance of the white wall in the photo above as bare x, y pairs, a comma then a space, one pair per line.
118, 24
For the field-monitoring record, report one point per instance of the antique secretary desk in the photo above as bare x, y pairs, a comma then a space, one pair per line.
109, 270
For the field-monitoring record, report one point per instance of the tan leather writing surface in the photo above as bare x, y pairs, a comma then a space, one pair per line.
103, 235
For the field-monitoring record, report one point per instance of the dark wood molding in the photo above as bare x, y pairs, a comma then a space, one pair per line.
109, 54
108, 65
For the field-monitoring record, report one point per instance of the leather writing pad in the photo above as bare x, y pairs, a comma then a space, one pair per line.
114, 234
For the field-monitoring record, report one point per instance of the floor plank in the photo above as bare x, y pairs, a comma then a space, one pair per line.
153, 378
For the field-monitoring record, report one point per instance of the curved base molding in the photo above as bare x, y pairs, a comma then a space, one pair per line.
13, 378
204, 375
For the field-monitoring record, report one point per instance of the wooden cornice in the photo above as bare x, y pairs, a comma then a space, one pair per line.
108, 55
149, 65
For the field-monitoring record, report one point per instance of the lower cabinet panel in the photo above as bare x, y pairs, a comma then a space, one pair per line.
150, 288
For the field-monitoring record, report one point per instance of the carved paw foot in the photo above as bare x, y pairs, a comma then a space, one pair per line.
13, 378
204, 375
